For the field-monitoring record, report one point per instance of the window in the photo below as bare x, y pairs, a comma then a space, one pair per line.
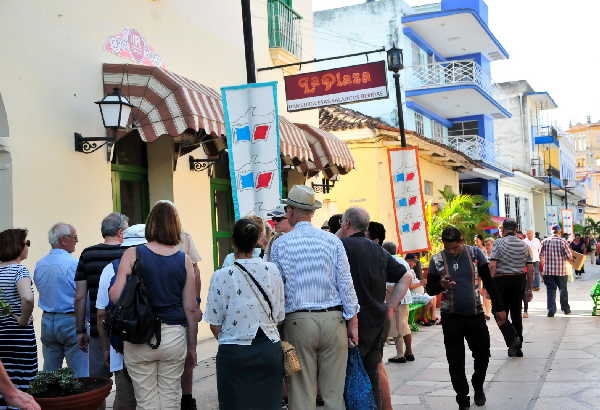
518, 212
417, 55
507, 205
580, 163
428, 187
419, 127
438, 130
464, 128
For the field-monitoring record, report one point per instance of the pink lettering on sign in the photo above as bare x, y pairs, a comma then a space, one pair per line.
130, 44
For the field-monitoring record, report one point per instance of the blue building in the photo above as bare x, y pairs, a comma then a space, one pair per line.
447, 82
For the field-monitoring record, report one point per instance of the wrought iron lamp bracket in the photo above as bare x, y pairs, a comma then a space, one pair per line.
200, 165
89, 145
324, 187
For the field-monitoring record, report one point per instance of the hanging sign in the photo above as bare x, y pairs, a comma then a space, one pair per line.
337, 86
130, 44
407, 194
253, 143
566, 216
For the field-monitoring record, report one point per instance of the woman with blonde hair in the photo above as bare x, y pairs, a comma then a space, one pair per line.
169, 279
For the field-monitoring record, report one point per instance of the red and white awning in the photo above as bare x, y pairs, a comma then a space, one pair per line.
332, 155
165, 103
293, 144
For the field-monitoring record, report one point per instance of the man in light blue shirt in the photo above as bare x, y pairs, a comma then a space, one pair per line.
320, 304
54, 279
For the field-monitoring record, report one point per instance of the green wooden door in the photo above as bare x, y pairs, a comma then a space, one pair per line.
130, 192
222, 213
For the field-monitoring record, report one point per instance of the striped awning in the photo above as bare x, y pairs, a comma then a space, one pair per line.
165, 103
332, 155
293, 144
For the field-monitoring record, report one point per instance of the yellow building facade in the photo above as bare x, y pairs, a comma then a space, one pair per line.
368, 185
586, 138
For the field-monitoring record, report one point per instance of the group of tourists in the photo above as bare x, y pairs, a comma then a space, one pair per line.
324, 291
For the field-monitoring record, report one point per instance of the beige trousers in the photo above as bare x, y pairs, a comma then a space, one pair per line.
321, 342
156, 373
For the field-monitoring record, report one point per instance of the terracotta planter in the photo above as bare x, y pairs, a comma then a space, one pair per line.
89, 400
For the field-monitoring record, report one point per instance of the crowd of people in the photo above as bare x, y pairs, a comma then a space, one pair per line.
322, 290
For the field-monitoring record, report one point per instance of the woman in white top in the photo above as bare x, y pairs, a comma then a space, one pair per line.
258, 251
245, 304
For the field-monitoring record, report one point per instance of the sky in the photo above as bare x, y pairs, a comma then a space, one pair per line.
552, 44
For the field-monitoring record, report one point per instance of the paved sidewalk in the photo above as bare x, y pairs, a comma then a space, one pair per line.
560, 370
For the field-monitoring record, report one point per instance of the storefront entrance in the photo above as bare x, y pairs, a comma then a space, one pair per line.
222, 211
130, 178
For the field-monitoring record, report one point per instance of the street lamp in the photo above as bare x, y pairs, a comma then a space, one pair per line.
115, 110
395, 64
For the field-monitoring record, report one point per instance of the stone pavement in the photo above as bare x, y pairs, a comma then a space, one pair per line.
560, 370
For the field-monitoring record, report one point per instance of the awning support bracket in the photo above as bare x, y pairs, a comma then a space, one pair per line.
89, 145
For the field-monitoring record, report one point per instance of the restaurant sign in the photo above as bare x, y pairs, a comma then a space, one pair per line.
130, 44
337, 86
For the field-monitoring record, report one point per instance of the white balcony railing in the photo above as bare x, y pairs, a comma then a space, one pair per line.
477, 148
449, 73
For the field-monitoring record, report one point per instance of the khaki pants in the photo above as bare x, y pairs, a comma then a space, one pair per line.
156, 373
321, 342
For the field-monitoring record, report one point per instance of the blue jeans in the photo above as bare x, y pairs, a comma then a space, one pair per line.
59, 341
536, 275
552, 282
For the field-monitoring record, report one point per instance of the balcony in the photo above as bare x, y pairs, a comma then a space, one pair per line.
545, 134
285, 34
453, 89
477, 148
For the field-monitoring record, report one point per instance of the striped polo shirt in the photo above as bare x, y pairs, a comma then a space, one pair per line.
511, 255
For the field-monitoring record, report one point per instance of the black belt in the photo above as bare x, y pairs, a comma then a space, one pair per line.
338, 308
59, 313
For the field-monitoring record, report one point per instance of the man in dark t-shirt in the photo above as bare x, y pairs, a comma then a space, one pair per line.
371, 267
91, 263
455, 273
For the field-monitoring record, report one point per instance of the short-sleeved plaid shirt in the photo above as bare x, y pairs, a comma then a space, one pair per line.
555, 252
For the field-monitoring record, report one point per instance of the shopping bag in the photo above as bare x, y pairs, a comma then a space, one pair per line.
358, 392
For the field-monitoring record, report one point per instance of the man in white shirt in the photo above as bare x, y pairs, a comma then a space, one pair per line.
534, 246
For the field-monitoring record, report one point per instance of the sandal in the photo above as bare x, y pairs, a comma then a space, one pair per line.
400, 359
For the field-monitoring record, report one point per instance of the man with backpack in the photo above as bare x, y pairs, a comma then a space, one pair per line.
124, 394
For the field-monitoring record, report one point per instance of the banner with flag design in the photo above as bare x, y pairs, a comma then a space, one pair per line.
251, 121
408, 203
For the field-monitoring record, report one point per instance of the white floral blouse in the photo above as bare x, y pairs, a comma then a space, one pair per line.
233, 305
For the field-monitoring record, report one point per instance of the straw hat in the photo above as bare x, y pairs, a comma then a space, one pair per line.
302, 197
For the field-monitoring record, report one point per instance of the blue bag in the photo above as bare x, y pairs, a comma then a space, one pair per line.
358, 392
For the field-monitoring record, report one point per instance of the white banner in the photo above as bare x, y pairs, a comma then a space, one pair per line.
407, 194
252, 124
567, 220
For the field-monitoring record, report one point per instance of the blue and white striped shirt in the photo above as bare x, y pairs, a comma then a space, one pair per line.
315, 270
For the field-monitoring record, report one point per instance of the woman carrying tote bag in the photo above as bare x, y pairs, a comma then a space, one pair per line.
250, 358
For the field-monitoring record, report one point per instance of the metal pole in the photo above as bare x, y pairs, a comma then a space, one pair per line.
248, 42
566, 202
550, 185
400, 113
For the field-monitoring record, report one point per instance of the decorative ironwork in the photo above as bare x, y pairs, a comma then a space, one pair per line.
200, 165
449, 73
89, 145
476, 148
285, 28
325, 186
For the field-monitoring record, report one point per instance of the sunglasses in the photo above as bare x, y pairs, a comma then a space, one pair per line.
28, 243
278, 219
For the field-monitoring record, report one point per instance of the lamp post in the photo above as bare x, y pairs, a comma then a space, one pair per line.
115, 110
395, 64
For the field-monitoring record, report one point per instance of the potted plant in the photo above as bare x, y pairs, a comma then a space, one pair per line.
61, 390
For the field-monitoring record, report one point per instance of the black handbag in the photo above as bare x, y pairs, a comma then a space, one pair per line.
132, 318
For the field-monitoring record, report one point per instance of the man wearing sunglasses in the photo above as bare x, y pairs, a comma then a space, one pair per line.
281, 225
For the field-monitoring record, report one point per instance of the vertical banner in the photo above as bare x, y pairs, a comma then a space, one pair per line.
552, 217
251, 120
566, 216
407, 194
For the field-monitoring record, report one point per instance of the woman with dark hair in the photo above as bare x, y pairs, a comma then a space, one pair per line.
169, 279
245, 304
18, 349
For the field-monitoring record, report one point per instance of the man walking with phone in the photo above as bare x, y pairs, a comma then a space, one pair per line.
455, 273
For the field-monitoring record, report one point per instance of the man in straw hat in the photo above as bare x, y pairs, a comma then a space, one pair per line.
320, 303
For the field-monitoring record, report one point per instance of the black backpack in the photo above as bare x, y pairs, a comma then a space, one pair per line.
132, 318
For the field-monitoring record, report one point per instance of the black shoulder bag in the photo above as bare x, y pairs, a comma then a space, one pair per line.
132, 317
